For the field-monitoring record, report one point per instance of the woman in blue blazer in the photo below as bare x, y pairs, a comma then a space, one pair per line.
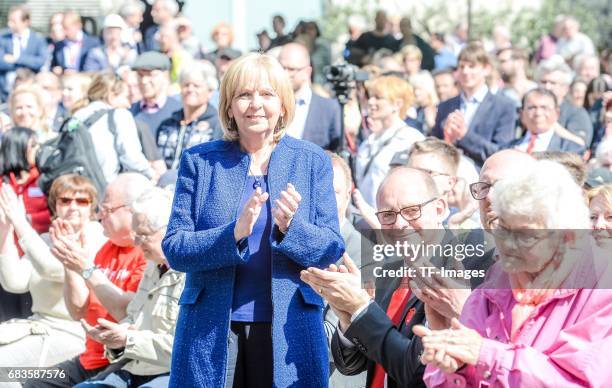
249, 213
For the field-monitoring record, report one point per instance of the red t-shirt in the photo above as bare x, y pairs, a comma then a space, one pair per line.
34, 200
123, 266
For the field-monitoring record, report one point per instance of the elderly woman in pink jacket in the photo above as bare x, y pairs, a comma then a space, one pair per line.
543, 317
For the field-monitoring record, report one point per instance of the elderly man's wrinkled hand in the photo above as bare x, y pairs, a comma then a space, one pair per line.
341, 287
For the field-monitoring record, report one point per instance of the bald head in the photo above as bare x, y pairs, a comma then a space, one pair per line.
501, 165
295, 58
406, 187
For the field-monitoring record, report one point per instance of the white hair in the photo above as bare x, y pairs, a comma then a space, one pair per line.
204, 69
131, 7
546, 193
555, 63
579, 61
131, 185
357, 21
155, 204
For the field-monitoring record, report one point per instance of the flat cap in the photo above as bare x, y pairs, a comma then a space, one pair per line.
152, 60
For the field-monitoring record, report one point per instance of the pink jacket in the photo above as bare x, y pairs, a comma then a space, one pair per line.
566, 343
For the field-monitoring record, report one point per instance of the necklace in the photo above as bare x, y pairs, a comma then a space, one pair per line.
257, 183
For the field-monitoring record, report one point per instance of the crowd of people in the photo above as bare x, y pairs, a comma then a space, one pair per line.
176, 215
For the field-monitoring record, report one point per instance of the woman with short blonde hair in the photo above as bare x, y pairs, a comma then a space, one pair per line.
269, 213
600, 207
389, 98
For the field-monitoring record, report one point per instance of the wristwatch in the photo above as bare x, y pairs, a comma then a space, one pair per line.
86, 273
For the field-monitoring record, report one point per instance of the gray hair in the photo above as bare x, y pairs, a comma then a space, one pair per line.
555, 63
603, 153
130, 8
131, 185
203, 69
546, 193
581, 58
156, 205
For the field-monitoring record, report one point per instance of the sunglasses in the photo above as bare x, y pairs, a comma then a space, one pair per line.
65, 201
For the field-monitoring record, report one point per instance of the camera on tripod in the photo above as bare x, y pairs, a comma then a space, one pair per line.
343, 77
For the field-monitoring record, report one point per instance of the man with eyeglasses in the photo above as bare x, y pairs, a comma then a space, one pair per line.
99, 289
317, 119
153, 69
501, 165
377, 335
143, 339
539, 115
555, 75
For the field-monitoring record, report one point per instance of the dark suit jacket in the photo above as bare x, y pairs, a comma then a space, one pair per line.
377, 340
491, 128
322, 125
576, 120
89, 42
150, 43
558, 143
32, 57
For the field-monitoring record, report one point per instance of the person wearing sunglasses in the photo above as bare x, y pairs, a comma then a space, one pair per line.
542, 316
50, 335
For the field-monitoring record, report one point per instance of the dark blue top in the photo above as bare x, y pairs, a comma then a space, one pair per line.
253, 285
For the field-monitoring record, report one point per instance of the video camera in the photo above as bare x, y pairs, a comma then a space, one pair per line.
343, 77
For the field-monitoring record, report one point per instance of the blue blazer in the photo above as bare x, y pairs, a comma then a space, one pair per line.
33, 57
89, 42
491, 128
200, 241
322, 125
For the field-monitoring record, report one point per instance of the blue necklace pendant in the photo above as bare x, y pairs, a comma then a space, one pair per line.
256, 184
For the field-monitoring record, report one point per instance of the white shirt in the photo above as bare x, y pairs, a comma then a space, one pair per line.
302, 105
368, 181
541, 143
20, 42
469, 107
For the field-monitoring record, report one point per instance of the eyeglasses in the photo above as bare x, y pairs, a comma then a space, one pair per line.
479, 190
140, 239
65, 201
522, 238
103, 212
409, 213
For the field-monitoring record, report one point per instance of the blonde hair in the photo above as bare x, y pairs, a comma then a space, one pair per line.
83, 81
219, 26
35, 91
425, 82
392, 88
605, 191
411, 51
252, 69
101, 87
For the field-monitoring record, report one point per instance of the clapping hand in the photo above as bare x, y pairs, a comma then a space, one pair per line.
11, 205
67, 246
286, 207
112, 335
250, 213
450, 349
340, 286
454, 127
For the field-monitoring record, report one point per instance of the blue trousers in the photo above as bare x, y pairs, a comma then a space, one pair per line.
124, 379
